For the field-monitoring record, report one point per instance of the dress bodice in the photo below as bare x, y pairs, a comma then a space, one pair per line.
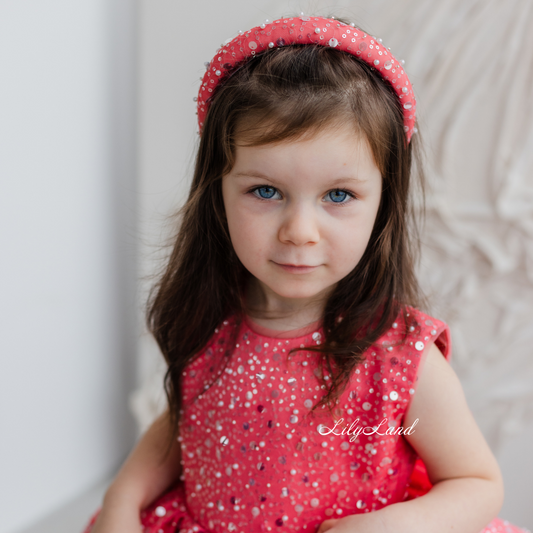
253, 454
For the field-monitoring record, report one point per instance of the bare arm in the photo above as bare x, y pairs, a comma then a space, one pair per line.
144, 475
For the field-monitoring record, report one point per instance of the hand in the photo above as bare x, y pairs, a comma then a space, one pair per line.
111, 521
118, 514
327, 524
355, 523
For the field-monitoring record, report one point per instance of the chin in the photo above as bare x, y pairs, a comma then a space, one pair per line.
290, 290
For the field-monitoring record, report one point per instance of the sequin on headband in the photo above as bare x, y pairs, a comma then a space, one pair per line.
308, 30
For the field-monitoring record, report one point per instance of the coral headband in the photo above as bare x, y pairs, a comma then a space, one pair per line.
308, 30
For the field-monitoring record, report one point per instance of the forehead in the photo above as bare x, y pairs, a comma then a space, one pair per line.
255, 129
277, 135
330, 153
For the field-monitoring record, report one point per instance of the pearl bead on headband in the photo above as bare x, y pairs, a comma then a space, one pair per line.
309, 30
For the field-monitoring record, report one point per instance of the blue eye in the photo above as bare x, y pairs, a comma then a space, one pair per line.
265, 192
338, 195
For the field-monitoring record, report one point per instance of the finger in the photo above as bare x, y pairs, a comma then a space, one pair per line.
327, 524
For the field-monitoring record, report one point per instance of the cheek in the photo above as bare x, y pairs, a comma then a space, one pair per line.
348, 241
249, 235
234, 217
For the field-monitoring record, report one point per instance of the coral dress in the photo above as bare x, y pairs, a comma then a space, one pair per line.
254, 459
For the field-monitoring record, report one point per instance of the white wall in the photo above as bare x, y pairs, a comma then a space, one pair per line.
67, 250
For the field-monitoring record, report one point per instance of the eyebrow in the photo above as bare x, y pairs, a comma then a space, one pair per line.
255, 174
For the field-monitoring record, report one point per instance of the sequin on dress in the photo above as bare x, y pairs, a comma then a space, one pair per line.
256, 460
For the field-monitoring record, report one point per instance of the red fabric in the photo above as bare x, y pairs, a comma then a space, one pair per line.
419, 483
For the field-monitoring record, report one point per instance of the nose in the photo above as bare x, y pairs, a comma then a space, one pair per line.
299, 226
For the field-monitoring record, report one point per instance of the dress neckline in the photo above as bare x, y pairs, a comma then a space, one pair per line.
279, 334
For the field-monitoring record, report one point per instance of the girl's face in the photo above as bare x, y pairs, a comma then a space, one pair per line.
300, 213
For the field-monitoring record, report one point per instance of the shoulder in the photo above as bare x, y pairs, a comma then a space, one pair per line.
422, 336
403, 349
421, 330
394, 360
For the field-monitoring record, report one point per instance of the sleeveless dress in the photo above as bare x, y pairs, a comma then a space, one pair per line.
255, 459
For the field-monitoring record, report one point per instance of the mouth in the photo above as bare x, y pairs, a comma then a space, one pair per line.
296, 269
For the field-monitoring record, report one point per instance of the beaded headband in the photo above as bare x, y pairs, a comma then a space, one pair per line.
308, 30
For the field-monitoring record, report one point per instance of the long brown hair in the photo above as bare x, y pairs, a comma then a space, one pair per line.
279, 95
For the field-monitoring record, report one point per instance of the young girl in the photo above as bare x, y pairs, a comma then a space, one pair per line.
306, 391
